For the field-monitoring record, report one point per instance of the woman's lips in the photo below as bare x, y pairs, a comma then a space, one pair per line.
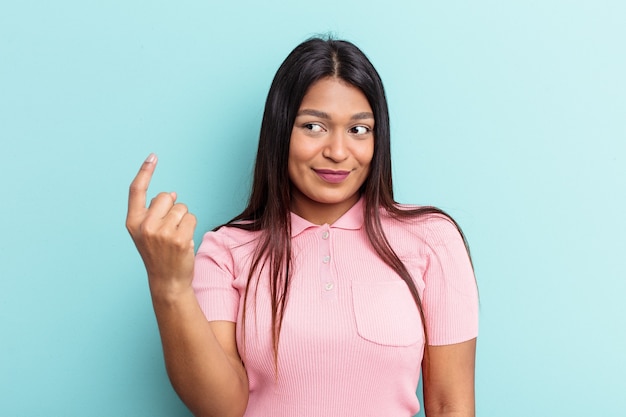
329, 175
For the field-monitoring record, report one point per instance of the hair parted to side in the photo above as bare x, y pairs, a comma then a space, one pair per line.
268, 209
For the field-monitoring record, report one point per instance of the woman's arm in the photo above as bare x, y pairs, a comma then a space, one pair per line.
448, 380
201, 357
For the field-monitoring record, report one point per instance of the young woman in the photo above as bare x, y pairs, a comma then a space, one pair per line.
324, 297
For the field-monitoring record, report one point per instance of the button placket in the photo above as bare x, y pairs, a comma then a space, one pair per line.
327, 283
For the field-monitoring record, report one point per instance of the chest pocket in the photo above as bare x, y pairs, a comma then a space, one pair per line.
386, 313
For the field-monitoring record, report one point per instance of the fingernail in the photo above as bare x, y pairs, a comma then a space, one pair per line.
151, 158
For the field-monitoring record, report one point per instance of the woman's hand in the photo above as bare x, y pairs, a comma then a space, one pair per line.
163, 234
201, 358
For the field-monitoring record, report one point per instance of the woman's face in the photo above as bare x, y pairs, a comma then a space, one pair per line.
331, 147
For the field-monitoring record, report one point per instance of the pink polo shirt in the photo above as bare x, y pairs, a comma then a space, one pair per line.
351, 341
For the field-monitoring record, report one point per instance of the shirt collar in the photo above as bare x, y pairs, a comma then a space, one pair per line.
350, 220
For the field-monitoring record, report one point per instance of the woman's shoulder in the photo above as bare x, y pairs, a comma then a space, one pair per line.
429, 223
230, 237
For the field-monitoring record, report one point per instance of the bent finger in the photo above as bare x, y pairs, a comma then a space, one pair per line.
160, 206
187, 225
139, 186
175, 215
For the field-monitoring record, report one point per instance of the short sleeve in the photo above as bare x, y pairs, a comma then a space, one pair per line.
450, 297
213, 279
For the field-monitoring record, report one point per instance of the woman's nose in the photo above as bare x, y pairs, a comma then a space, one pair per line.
336, 147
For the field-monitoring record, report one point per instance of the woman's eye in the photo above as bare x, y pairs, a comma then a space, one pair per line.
313, 127
359, 130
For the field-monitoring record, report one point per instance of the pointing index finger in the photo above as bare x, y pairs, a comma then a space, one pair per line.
139, 186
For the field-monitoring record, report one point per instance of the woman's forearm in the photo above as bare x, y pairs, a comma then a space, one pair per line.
210, 379
448, 380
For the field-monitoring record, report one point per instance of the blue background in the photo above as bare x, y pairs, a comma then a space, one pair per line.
510, 115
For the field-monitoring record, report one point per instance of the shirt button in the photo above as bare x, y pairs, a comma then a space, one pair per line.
329, 286
325, 235
326, 259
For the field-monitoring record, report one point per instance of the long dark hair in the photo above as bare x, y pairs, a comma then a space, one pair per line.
268, 209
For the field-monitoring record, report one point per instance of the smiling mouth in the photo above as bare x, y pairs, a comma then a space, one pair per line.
331, 176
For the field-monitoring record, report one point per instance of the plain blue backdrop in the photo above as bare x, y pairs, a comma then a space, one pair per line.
509, 115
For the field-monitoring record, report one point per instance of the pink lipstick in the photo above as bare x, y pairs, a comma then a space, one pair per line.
331, 176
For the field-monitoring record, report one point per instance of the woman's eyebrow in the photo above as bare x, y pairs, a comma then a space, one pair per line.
324, 115
362, 115
315, 113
